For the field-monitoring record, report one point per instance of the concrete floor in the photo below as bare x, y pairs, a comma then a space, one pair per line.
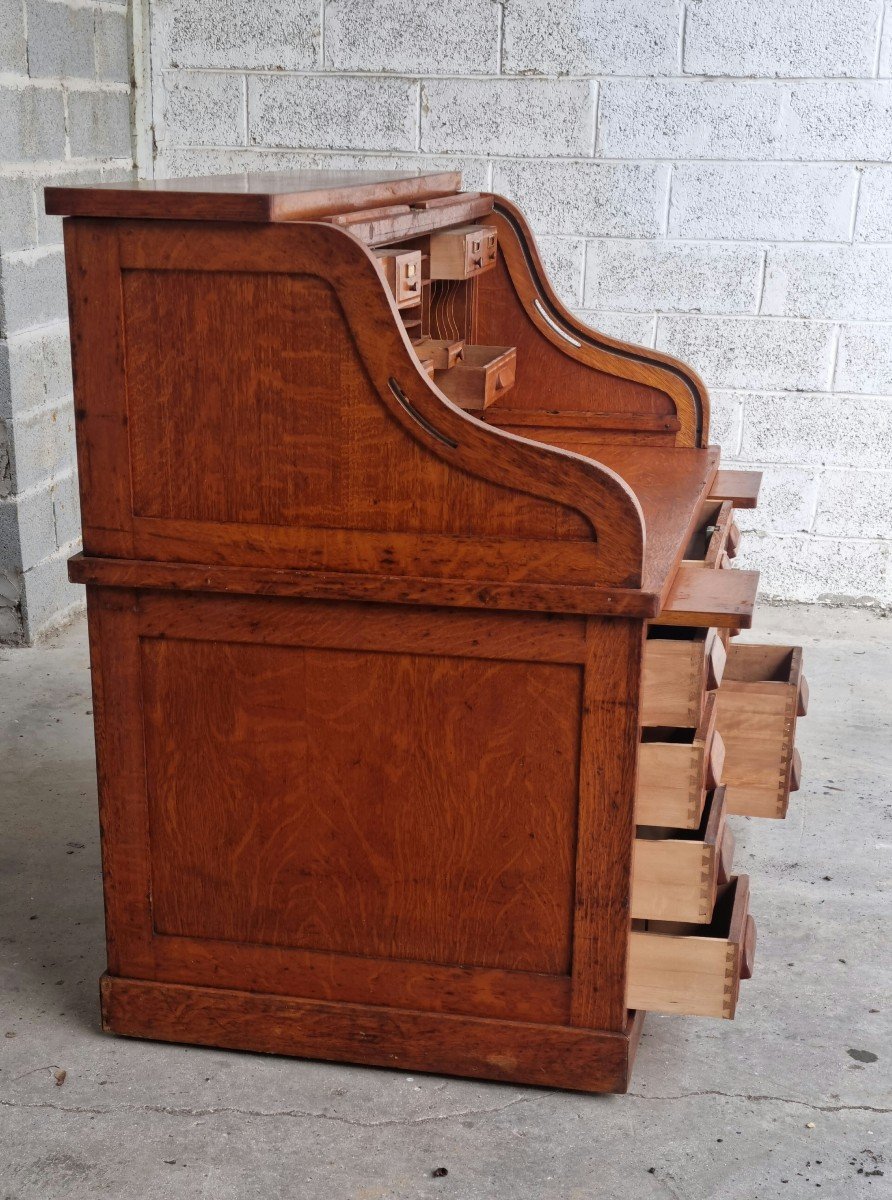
791, 1097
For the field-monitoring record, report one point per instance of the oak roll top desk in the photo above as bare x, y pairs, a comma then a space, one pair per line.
419, 718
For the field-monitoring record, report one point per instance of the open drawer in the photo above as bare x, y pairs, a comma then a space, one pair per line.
762, 693
481, 376
675, 871
681, 664
716, 537
694, 969
676, 768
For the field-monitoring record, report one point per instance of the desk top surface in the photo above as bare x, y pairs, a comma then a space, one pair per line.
260, 197
671, 484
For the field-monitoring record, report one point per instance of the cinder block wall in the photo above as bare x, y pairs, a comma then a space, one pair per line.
64, 115
709, 177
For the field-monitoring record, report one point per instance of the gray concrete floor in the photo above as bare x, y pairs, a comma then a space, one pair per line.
785, 1100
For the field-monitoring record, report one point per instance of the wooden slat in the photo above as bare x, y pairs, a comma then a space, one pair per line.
698, 597
741, 487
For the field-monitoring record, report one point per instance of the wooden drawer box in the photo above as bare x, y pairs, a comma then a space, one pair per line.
680, 665
483, 374
762, 693
716, 537
676, 768
402, 270
442, 352
463, 253
694, 969
675, 871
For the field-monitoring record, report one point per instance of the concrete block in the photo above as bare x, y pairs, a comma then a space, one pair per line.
563, 259
202, 109
332, 112
60, 40
687, 119
854, 504
461, 38
787, 501
35, 369
530, 117
817, 570
864, 359
771, 201
739, 352
18, 220
13, 48
587, 199
837, 119
32, 290
48, 596
277, 35
27, 528
66, 510
32, 124
624, 37
874, 220
672, 277
726, 422
635, 328
791, 38
849, 283
111, 48
42, 447
817, 430
99, 124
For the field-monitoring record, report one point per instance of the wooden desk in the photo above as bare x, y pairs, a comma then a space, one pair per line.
410, 602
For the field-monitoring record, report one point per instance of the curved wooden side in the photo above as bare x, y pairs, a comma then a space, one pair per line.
254, 379
629, 392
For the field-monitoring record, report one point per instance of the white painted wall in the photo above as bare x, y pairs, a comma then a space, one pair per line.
712, 178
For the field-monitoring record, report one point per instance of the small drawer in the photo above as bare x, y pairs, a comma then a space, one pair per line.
483, 374
716, 537
675, 871
694, 969
463, 253
681, 663
444, 354
762, 693
676, 768
402, 270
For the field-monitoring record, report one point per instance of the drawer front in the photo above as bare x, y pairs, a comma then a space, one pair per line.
690, 969
676, 768
480, 377
463, 253
761, 695
402, 270
675, 871
442, 352
677, 673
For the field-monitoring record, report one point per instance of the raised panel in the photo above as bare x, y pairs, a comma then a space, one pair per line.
401, 806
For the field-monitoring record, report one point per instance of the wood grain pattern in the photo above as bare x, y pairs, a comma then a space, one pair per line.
678, 968
621, 379
757, 709
251, 408
740, 487
676, 767
280, 815
680, 666
270, 196
698, 597
510, 1051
